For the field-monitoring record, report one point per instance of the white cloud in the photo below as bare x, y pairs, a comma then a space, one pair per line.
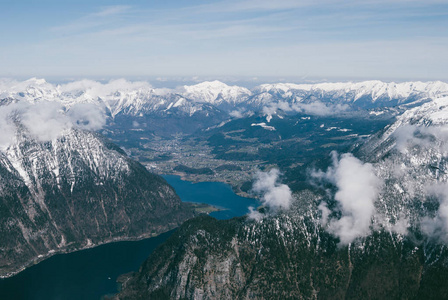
103, 17
315, 108
7, 126
325, 211
97, 89
413, 141
357, 189
111, 10
434, 137
236, 114
87, 116
254, 214
273, 195
46, 120
401, 225
318, 108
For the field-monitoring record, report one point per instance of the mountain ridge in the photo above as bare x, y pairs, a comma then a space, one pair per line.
124, 97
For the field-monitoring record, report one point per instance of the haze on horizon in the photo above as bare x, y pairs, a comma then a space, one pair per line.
247, 40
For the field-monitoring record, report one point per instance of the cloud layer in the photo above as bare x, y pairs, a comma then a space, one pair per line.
315, 108
357, 189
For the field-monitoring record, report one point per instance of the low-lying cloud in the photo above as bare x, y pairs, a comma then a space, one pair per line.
87, 116
437, 227
237, 114
357, 189
315, 108
419, 171
46, 121
318, 108
408, 136
273, 194
97, 89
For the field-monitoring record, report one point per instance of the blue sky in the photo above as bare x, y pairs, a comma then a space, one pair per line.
251, 39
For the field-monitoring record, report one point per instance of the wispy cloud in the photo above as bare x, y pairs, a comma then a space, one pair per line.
111, 11
92, 21
253, 38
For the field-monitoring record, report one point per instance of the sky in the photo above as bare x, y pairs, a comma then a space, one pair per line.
303, 40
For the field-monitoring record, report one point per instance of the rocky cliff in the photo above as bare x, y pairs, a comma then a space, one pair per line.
286, 257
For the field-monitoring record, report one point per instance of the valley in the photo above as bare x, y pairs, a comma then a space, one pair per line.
333, 177
235, 151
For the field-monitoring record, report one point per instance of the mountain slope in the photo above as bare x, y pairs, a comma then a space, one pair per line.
304, 253
285, 257
411, 156
73, 192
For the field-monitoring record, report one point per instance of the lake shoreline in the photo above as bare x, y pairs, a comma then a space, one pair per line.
91, 271
198, 206
52, 253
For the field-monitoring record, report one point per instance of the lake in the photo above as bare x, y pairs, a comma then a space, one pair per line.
92, 273
214, 193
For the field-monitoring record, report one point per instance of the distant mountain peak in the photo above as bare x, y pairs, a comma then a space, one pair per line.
134, 98
216, 92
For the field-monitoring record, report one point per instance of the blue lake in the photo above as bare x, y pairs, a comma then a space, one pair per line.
91, 273
214, 193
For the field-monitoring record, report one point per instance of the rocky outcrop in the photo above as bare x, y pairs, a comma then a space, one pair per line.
286, 257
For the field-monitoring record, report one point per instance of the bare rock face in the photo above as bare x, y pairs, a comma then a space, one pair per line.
74, 192
285, 257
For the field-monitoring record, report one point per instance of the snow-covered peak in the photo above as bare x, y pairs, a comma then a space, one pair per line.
215, 84
216, 92
375, 89
125, 97
36, 81
430, 118
434, 112
111, 88
27, 90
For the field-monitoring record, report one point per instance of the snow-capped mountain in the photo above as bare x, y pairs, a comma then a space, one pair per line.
135, 98
126, 98
76, 191
411, 155
190, 109
352, 91
217, 93
428, 117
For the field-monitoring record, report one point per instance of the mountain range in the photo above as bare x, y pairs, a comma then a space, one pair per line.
135, 98
370, 224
